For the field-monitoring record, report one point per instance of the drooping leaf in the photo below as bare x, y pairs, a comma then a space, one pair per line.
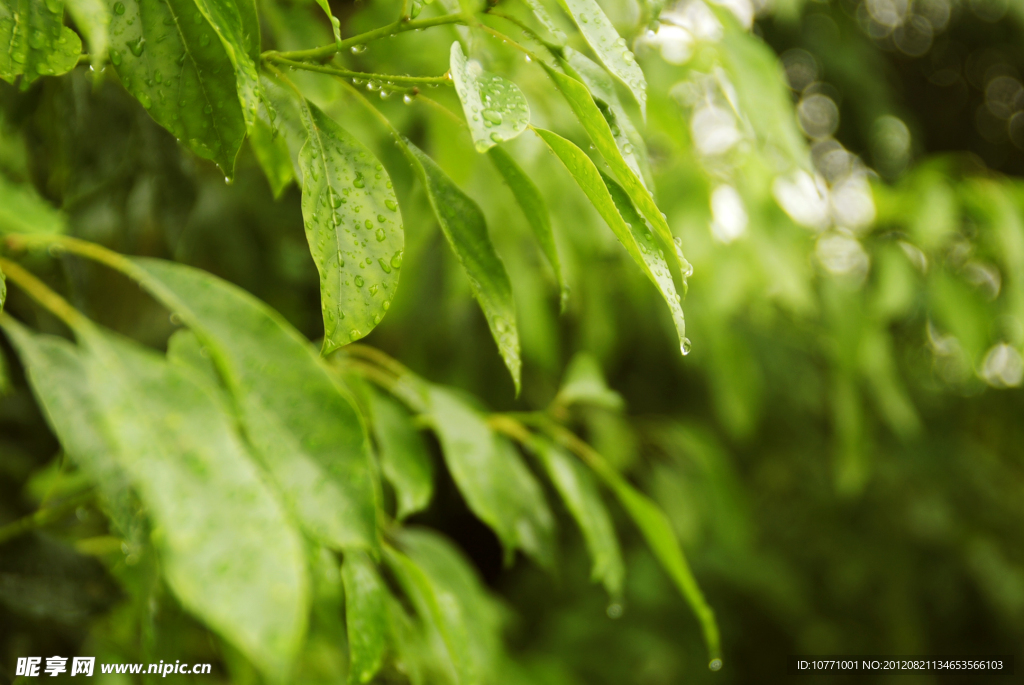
578, 489
366, 616
34, 41
492, 477
541, 13
3, 290
184, 348
596, 126
446, 591
631, 144
609, 47
403, 454
532, 203
23, 211
226, 19
614, 206
224, 540
495, 108
353, 227
171, 58
57, 375
335, 24
584, 384
92, 17
285, 118
271, 149
302, 426
464, 226
658, 533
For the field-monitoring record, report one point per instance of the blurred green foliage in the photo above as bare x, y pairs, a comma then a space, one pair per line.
839, 455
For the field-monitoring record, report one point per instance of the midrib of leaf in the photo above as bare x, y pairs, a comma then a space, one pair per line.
195, 65
322, 158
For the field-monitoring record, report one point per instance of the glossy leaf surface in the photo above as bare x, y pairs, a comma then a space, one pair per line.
34, 41
613, 205
534, 208
303, 427
610, 47
579, 491
169, 56
353, 227
404, 458
92, 17
496, 110
492, 477
366, 616
465, 228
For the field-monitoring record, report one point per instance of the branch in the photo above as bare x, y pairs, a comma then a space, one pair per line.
392, 29
444, 79
44, 517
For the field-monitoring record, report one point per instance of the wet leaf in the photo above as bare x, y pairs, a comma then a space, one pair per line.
240, 39
404, 458
628, 139
596, 126
302, 426
335, 24
532, 203
3, 291
57, 375
34, 41
227, 549
353, 226
579, 491
172, 59
366, 616
496, 110
464, 226
492, 477
610, 48
613, 204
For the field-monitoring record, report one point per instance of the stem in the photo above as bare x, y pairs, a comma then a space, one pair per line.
345, 73
441, 108
44, 517
392, 29
373, 110
43, 295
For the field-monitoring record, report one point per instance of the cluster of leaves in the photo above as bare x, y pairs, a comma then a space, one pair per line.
835, 313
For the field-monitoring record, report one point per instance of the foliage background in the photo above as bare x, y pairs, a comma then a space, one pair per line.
840, 454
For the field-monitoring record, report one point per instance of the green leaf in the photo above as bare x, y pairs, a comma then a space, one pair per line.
404, 458
238, 39
596, 126
302, 426
285, 118
92, 17
628, 139
658, 533
271, 149
532, 203
184, 348
578, 489
584, 384
495, 108
335, 24
23, 211
614, 206
446, 592
366, 616
3, 290
464, 226
173, 61
353, 227
57, 375
541, 13
610, 48
492, 477
228, 550
34, 41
